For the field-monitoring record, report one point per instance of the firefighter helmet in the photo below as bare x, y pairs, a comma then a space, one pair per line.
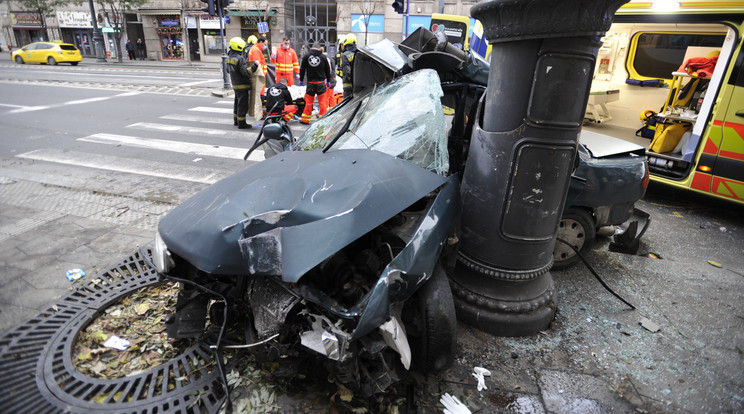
252, 40
237, 44
349, 39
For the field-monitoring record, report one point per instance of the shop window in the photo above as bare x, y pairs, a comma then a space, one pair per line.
212, 42
655, 55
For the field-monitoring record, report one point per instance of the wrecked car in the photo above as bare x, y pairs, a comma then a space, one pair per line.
337, 247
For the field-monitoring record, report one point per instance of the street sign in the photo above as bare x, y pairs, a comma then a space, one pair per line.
263, 27
110, 30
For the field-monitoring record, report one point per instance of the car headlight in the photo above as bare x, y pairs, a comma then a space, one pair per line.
161, 257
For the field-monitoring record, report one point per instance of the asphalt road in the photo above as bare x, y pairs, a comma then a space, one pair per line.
87, 170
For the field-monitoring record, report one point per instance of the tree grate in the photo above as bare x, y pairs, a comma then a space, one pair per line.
36, 359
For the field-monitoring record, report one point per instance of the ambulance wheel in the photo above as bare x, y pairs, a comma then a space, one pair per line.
431, 324
577, 228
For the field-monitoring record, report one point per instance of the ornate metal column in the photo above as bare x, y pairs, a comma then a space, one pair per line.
522, 152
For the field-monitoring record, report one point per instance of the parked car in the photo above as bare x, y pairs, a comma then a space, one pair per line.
48, 52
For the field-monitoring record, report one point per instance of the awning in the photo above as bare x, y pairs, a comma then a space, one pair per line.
251, 13
150, 12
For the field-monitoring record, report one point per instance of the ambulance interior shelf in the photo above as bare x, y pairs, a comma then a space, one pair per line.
683, 101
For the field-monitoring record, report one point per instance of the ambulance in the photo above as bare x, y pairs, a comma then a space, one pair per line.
648, 71
678, 65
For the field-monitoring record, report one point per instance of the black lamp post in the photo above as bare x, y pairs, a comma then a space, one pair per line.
522, 153
97, 35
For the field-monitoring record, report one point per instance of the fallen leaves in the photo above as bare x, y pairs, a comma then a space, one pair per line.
139, 318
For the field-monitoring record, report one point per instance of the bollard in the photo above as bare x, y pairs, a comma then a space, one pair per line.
521, 155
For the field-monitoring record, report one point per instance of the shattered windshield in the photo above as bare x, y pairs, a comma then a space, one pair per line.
403, 118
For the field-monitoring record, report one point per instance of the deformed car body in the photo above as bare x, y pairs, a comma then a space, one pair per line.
339, 245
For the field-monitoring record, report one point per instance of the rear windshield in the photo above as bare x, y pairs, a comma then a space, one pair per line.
67, 47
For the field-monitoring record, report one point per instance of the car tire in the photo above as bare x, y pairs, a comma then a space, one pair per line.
576, 227
19, 60
74, 63
51, 61
431, 324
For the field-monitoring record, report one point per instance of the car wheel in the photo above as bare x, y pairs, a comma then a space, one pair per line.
577, 228
431, 324
51, 61
74, 63
19, 60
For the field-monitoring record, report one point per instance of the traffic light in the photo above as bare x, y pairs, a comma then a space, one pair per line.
210, 7
399, 7
222, 5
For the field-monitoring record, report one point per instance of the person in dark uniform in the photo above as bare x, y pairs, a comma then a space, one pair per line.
315, 66
240, 74
347, 62
279, 101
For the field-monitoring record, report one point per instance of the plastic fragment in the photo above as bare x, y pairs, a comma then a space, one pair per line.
649, 325
75, 274
116, 343
479, 373
716, 264
453, 406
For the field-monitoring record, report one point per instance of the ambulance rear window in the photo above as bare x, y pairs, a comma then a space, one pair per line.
658, 54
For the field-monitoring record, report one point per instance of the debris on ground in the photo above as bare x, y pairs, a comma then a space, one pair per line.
75, 274
649, 325
453, 406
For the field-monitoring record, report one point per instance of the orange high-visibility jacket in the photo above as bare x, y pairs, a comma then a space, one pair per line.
256, 55
286, 61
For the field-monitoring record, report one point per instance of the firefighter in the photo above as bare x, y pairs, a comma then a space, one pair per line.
347, 62
315, 66
287, 65
279, 101
240, 74
337, 60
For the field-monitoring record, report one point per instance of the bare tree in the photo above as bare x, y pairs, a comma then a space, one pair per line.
114, 10
368, 9
46, 8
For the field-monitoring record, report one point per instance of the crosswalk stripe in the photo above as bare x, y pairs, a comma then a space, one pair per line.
174, 146
212, 109
198, 118
127, 165
243, 135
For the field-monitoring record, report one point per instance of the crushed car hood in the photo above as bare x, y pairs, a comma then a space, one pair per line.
290, 212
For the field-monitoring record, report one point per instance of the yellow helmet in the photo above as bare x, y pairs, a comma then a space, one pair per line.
252, 39
237, 44
341, 40
349, 39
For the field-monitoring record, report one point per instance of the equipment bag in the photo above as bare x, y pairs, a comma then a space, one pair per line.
650, 120
667, 136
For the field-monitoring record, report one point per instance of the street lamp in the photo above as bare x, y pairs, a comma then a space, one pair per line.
97, 36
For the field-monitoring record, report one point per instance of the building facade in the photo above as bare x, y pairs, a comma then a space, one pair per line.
180, 30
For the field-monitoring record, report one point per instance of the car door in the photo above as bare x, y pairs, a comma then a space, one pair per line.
28, 52
42, 51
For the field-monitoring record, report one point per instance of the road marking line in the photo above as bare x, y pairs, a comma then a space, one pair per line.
76, 102
127, 165
174, 146
199, 82
245, 136
197, 118
212, 109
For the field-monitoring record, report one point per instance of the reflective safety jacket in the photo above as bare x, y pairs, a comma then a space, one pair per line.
286, 61
347, 62
240, 72
256, 55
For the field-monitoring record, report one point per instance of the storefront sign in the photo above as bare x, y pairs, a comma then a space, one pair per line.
110, 30
368, 23
74, 19
414, 22
169, 22
26, 19
208, 22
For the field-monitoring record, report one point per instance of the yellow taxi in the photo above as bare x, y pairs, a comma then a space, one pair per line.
48, 52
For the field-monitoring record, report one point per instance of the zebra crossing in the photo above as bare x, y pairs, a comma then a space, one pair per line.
201, 121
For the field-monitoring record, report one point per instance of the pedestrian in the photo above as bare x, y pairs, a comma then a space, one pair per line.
240, 77
287, 64
303, 52
279, 101
315, 66
130, 49
141, 48
256, 55
328, 96
347, 61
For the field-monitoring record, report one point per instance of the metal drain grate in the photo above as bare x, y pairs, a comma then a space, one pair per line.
36, 360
